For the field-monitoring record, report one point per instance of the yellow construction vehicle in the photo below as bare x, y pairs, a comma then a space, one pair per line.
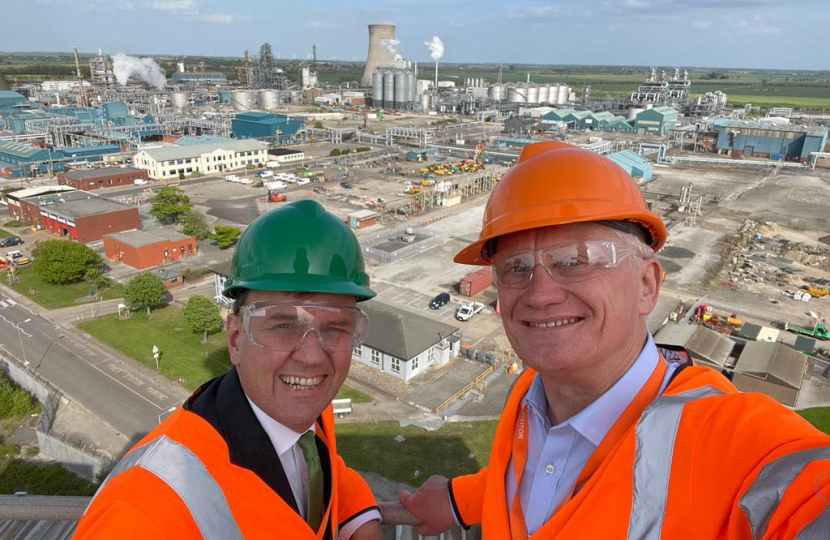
815, 291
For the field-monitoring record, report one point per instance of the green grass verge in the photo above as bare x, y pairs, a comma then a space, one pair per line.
818, 416
446, 451
182, 352
4, 233
57, 296
39, 479
356, 395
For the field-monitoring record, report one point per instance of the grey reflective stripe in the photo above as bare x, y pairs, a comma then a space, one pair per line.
185, 473
818, 528
653, 447
762, 498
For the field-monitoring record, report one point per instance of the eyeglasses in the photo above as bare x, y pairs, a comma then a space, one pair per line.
282, 326
568, 263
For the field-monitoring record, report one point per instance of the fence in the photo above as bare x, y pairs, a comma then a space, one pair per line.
432, 239
74, 453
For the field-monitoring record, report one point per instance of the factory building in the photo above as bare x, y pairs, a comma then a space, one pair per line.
78, 215
87, 154
208, 158
100, 70
10, 102
768, 140
205, 77
656, 121
286, 155
12, 199
101, 178
662, 91
774, 369
634, 164
145, 249
521, 124
18, 160
259, 125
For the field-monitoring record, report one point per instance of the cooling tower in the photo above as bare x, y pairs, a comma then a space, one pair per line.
380, 54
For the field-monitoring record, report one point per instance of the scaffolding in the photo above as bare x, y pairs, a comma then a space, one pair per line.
263, 72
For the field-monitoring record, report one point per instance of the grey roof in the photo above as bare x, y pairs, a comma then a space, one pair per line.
38, 190
658, 316
400, 333
815, 131
777, 360
749, 331
18, 529
75, 204
223, 269
167, 273
702, 343
195, 150
136, 238
96, 173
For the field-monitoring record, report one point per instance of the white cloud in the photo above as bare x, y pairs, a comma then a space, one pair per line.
176, 6
320, 25
222, 18
636, 4
543, 12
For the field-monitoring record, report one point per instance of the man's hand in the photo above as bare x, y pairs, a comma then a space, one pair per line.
430, 504
368, 531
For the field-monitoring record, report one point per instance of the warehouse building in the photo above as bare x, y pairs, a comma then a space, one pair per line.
634, 164
744, 138
10, 102
520, 124
87, 154
775, 369
704, 345
18, 160
78, 215
656, 121
101, 178
208, 158
286, 155
260, 125
145, 249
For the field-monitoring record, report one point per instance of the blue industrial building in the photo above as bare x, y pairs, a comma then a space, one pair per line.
205, 77
767, 140
87, 154
85, 115
422, 154
656, 121
18, 160
225, 96
634, 164
260, 125
10, 102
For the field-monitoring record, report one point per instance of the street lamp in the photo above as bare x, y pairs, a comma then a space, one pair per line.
156, 354
22, 348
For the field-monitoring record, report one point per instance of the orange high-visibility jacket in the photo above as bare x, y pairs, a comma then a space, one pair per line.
702, 462
179, 483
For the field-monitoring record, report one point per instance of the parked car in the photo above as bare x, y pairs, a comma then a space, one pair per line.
245, 181
466, 312
439, 300
265, 174
272, 164
232, 178
17, 257
10, 241
140, 182
276, 184
346, 185
303, 181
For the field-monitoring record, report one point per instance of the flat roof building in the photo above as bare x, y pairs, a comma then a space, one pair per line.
775, 369
145, 249
90, 179
207, 158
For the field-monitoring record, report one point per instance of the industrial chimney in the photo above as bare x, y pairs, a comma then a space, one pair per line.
380, 53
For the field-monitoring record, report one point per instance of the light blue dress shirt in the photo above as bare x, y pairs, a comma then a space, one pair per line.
556, 454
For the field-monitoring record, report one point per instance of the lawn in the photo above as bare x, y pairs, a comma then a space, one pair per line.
818, 416
356, 395
446, 451
182, 352
56, 296
4, 233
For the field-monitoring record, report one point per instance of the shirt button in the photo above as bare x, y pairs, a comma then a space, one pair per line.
549, 468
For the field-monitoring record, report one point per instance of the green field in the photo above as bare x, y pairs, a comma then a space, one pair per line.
58, 296
355, 395
182, 352
818, 416
446, 451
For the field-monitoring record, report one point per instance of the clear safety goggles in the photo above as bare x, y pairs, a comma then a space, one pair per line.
569, 263
282, 326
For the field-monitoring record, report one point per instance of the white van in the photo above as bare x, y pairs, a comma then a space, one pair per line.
272, 164
276, 184
266, 174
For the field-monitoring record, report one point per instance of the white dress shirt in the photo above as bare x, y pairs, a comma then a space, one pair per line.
293, 463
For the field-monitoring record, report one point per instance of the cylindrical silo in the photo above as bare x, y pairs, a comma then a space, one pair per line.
496, 92
425, 102
380, 54
388, 88
268, 99
544, 93
242, 100
411, 84
179, 100
377, 88
400, 89
517, 94
533, 94
564, 94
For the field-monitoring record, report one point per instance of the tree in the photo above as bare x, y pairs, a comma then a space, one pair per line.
225, 235
318, 125
63, 261
170, 203
146, 290
194, 224
335, 152
202, 315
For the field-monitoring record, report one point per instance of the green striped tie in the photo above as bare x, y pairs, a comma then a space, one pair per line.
314, 482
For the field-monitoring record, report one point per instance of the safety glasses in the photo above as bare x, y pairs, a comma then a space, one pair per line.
282, 326
569, 263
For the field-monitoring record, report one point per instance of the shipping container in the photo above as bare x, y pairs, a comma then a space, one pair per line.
476, 282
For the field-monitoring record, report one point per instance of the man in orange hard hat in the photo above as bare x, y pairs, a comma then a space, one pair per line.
603, 436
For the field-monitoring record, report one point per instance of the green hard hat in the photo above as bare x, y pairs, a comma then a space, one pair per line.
299, 247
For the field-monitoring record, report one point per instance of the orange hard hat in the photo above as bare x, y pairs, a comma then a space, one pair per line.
555, 183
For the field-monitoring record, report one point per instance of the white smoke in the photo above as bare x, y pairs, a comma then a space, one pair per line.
436, 48
145, 68
392, 44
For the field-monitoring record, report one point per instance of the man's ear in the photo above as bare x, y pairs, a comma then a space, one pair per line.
234, 324
651, 277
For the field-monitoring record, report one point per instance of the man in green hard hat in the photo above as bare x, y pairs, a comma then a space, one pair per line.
252, 453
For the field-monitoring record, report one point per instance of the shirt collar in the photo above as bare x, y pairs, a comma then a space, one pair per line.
283, 438
594, 421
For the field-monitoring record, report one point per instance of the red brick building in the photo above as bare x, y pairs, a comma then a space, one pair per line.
78, 215
102, 178
144, 249
13, 199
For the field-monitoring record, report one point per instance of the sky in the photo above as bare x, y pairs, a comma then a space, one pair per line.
773, 34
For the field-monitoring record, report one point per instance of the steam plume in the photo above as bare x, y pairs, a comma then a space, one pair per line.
145, 68
392, 44
436, 48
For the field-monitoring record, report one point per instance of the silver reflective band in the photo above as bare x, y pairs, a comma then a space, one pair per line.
818, 528
185, 473
655, 436
762, 498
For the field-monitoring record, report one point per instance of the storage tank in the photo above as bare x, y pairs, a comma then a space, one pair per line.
544, 93
517, 94
400, 88
564, 94
633, 112
411, 84
425, 102
179, 100
268, 99
243, 100
496, 92
388, 88
377, 88
533, 94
